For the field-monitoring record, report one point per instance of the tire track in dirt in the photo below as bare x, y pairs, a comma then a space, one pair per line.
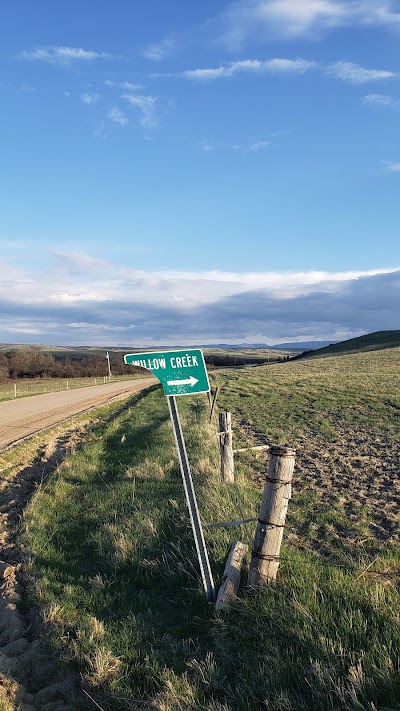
24, 417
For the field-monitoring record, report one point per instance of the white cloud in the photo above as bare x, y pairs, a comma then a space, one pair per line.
383, 14
251, 147
118, 116
27, 330
74, 298
206, 145
80, 276
353, 73
267, 20
95, 299
272, 66
89, 99
130, 86
159, 50
99, 131
391, 167
344, 71
63, 56
147, 106
381, 101
78, 262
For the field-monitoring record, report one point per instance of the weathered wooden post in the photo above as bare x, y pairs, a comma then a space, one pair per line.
213, 402
225, 443
231, 577
269, 533
15, 390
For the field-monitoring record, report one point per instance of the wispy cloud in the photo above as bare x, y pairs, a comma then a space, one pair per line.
272, 66
355, 74
267, 20
264, 19
159, 50
206, 145
89, 99
130, 86
344, 71
118, 116
391, 167
63, 56
252, 147
147, 107
383, 14
381, 101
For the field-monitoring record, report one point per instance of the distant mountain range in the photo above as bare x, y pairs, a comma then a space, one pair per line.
303, 345
371, 341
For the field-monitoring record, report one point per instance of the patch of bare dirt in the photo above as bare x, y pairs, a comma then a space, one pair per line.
353, 479
38, 680
358, 472
24, 417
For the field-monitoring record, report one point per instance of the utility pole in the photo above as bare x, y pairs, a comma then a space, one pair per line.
109, 367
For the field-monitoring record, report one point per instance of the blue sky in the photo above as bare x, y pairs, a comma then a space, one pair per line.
198, 172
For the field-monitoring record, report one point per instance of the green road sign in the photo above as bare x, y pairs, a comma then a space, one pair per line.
179, 372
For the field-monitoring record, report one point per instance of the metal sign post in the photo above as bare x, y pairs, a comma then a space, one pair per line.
182, 373
201, 549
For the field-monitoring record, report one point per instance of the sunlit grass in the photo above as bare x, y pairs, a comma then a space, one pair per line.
118, 575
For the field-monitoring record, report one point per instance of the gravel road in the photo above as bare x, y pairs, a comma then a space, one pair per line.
26, 416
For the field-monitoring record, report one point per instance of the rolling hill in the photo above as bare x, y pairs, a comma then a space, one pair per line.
371, 342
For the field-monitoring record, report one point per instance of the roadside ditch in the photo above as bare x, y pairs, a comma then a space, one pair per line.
32, 676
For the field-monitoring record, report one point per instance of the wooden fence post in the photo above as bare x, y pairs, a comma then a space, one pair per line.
231, 577
269, 533
213, 402
225, 441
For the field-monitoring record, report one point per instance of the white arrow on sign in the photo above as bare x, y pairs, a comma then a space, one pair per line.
190, 381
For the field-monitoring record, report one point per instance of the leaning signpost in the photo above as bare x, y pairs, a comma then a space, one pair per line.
182, 373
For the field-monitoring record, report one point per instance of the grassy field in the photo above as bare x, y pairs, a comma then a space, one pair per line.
371, 342
24, 387
117, 577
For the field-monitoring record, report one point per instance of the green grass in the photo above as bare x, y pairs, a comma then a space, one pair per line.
317, 396
118, 577
40, 386
372, 341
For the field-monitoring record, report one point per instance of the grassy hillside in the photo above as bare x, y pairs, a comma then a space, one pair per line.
371, 342
118, 580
